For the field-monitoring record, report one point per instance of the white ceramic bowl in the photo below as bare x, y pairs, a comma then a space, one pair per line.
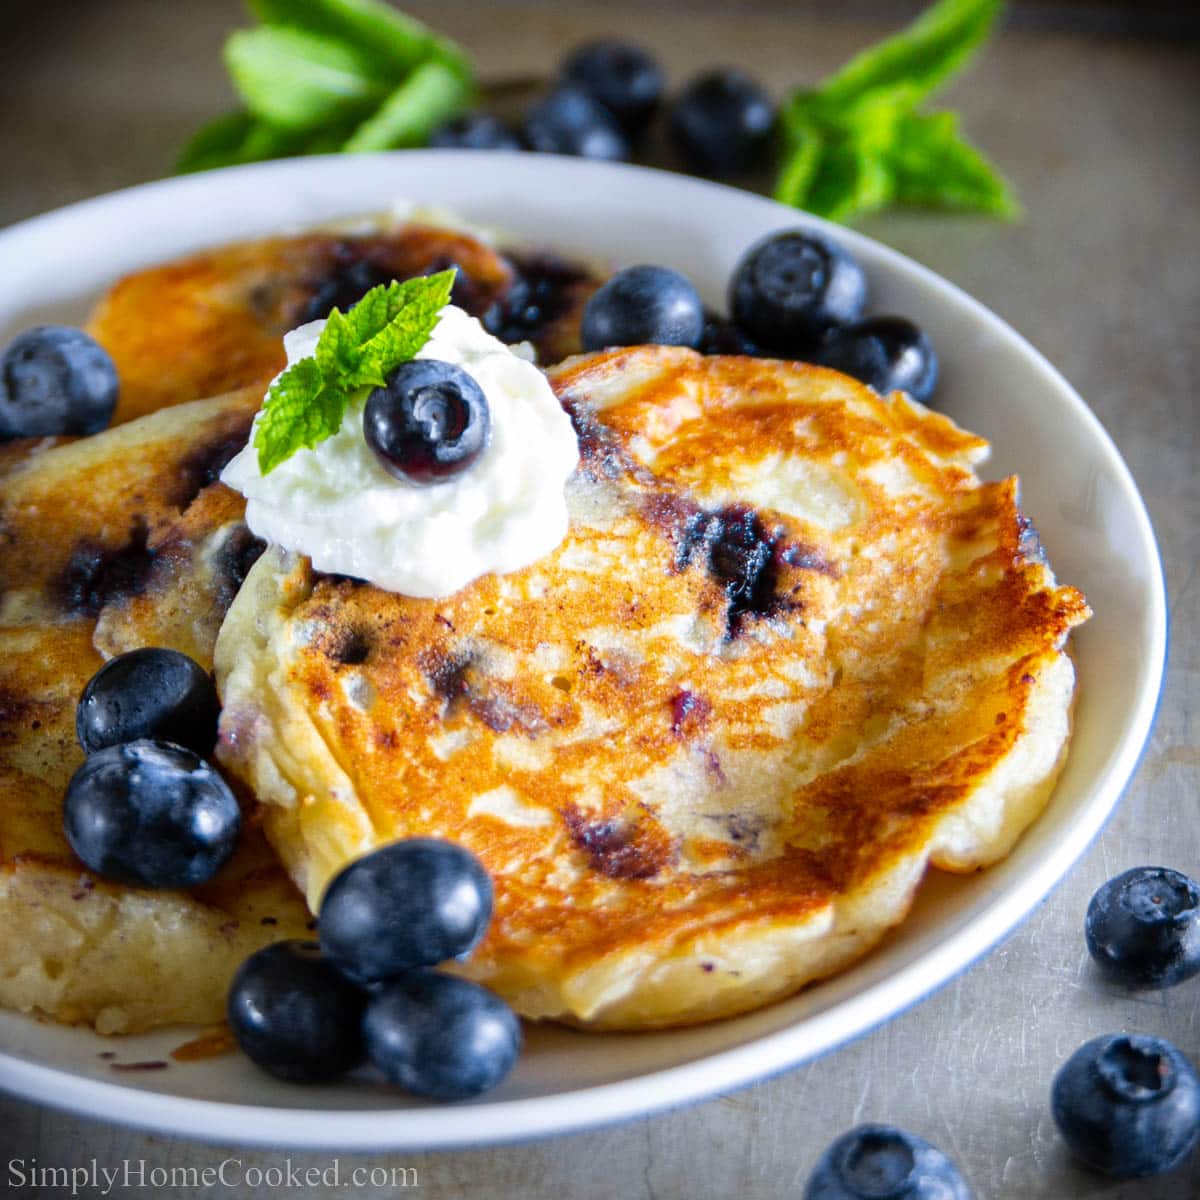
1075, 486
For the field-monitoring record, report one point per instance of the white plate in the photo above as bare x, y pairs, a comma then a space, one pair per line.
1075, 485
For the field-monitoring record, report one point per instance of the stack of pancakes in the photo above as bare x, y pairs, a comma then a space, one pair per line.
791, 652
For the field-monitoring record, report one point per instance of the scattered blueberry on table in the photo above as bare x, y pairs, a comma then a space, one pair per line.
55, 381
882, 1162
1143, 928
1128, 1105
570, 121
151, 814
722, 123
644, 304
623, 77
475, 131
429, 421
149, 693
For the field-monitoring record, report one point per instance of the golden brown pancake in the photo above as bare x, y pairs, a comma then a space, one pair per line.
792, 652
112, 542
215, 321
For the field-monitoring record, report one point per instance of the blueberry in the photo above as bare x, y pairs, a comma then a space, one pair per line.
475, 131
642, 306
569, 121
151, 814
409, 904
623, 77
429, 422
721, 336
881, 1162
1127, 1105
441, 1036
721, 123
1143, 928
792, 287
295, 1016
886, 353
55, 380
149, 693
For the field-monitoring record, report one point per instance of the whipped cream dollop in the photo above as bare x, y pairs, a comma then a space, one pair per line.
336, 504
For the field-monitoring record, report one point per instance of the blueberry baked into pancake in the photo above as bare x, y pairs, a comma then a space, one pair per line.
214, 321
111, 543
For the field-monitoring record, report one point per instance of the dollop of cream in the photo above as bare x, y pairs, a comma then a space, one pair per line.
336, 504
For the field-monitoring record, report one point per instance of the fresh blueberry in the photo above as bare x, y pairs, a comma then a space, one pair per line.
475, 131
409, 904
295, 1016
429, 422
570, 121
721, 123
887, 353
55, 380
881, 1162
1143, 928
623, 77
1127, 1105
149, 693
722, 336
643, 306
151, 814
791, 287
441, 1036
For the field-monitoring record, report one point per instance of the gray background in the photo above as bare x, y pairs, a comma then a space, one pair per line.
1102, 136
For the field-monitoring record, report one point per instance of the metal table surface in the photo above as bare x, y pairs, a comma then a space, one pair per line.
1102, 136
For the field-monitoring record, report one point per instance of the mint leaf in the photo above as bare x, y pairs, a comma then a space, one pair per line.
854, 179
800, 165
857, 143
299, 81
933, 165
301, 409
432, 94
417, 303
921, 58
307, 403
390, 39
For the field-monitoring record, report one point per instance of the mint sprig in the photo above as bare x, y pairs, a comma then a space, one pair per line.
858, 142
319, 76
356, 350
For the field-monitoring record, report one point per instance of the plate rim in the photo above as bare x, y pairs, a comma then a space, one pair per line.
448, 1127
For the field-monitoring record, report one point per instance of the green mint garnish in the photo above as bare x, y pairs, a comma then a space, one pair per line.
319, 76
323, 76
356, 350
858, 143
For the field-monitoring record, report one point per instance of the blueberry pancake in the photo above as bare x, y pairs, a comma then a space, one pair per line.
791, 653
112, 542
214, 321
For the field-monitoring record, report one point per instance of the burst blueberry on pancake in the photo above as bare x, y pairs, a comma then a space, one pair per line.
791, 653
113, 542
212, 322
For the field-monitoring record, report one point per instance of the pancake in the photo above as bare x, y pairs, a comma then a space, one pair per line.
791, 653
112, 542
214, 321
